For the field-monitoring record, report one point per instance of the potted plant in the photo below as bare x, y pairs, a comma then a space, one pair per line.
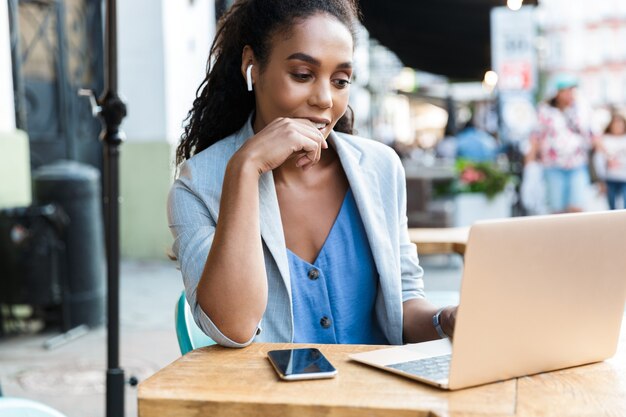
480, 177
481, 190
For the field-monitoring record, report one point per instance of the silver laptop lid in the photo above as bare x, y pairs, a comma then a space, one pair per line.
538, 294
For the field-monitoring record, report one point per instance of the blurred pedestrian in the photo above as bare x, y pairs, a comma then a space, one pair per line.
610, 161
474, 144
561, 143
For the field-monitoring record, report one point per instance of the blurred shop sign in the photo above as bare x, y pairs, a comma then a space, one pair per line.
516, 76
514, 59
513, 53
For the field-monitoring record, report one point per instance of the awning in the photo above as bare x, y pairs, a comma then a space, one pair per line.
446, 37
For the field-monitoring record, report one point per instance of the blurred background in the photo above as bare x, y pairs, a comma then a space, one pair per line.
452, 85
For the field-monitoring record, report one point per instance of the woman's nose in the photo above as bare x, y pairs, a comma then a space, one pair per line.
322, 95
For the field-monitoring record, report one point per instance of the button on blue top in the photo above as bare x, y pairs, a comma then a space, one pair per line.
334, 297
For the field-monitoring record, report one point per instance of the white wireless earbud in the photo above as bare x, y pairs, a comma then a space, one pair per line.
249, 77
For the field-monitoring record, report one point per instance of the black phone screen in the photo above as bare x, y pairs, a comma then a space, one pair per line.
300, 361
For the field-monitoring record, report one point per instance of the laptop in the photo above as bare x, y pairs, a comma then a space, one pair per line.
538, 294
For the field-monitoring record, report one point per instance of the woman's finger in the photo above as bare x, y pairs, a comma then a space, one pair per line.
303, 161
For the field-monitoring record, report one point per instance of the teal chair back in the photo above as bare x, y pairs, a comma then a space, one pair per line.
188, 333
21, 407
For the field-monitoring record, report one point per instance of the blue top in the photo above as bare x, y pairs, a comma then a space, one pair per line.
334, 297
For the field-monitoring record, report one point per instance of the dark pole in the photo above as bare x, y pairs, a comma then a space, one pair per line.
113, 110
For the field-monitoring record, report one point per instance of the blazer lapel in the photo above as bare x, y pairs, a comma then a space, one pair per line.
366, 191
272, 227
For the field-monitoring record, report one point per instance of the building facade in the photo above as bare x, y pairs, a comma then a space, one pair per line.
14, 149
162, 52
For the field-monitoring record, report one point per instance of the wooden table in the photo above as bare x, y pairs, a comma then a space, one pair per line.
222, 382
436, 241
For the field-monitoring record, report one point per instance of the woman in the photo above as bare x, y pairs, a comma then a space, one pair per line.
611, 162
285, 229
561, 143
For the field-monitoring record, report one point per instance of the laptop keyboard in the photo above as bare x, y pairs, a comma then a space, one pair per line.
435, 368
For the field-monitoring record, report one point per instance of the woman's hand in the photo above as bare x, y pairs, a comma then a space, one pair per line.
281, 140
417, 323
532, 154
448, 320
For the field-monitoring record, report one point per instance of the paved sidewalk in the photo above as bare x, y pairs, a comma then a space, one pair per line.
71, 378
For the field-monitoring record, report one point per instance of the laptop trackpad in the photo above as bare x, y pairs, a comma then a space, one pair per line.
405, 353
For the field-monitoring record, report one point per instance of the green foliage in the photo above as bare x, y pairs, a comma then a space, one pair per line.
477, 177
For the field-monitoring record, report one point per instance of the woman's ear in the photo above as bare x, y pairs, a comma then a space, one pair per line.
248, 66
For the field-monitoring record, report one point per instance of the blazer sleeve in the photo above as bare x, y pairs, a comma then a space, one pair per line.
193, 229
412, 272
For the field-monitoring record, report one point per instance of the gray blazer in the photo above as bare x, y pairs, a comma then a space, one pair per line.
376, 177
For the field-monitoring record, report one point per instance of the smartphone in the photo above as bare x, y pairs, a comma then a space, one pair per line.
298, 364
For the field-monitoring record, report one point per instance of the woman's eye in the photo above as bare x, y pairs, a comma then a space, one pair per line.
341, 83
301, 76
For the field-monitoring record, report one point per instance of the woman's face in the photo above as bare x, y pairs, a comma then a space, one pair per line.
307, 75
618, 127
565, 98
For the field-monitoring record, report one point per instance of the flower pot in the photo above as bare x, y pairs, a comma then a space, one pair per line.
472, 207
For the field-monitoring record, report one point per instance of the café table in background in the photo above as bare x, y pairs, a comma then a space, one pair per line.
440, 241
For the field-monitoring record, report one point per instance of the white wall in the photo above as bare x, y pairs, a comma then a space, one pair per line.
163, 46
188, 34
7, 109
141, 72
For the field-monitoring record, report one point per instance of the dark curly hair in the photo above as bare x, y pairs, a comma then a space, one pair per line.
222, 102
